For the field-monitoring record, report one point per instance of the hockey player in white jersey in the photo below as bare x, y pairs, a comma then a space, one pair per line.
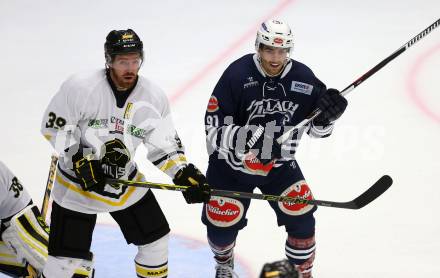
95, 122
23, 232
13, 200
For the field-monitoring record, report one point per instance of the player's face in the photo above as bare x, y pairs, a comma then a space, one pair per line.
273, 59
124, 69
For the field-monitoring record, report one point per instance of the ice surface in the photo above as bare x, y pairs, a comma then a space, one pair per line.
391, 125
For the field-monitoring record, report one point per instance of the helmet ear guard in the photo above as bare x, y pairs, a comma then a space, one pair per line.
274, 33
122, 42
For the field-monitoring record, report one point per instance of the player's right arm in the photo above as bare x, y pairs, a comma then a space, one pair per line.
59, 124
220, 120
60, 128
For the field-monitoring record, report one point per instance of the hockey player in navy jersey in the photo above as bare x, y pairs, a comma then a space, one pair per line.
95, 122
256, 99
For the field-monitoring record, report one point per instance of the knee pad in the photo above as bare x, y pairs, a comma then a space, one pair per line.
27, 236
152, 259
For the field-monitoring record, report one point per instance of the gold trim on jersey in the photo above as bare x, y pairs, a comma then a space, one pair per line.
90, 195
172, 162
11, 263
48, 137
128, 110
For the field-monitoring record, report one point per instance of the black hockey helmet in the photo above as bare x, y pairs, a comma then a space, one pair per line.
122, 42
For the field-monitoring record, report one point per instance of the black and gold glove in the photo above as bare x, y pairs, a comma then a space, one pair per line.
88, 170
199, 190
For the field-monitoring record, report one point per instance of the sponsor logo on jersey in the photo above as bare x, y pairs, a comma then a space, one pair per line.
223, 211
136, 131
301, 191
212, 104
301, 87
251, 83
119, 125
278, 40
253, 165
98, 123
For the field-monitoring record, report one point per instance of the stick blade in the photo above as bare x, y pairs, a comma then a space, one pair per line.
377, 189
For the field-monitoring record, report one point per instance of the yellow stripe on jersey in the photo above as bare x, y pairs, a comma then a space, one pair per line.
10, 263
151, 272
128, 110
6, 255
48, 137
92, 196
172, 162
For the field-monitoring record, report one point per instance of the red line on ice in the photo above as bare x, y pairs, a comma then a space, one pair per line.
414, 92
226, 53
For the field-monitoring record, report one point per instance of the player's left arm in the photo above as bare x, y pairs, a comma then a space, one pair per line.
332, 105
166, 152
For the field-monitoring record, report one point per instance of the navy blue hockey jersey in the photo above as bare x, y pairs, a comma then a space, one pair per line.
244, 96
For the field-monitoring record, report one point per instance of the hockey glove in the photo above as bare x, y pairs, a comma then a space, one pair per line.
88, 170
332, 104
199, 190
279, 269
256, 142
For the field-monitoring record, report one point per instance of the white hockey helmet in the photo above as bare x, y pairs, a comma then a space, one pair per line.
274, 33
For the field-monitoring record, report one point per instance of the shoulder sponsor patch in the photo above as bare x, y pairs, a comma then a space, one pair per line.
212, 104
301, 87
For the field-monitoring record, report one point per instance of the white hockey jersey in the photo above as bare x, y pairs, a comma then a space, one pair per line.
85, 111
13, 196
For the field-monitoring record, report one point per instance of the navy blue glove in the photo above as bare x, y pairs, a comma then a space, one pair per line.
332, 104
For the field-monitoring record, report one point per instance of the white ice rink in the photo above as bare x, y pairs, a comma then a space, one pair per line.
391, 126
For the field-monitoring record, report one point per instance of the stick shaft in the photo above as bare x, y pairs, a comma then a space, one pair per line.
365, 198
288, 134
49, 185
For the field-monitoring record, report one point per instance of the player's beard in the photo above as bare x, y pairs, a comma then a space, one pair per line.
124, 81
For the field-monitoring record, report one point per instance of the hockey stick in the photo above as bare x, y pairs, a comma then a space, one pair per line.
362, 200
49, 185
290, 132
